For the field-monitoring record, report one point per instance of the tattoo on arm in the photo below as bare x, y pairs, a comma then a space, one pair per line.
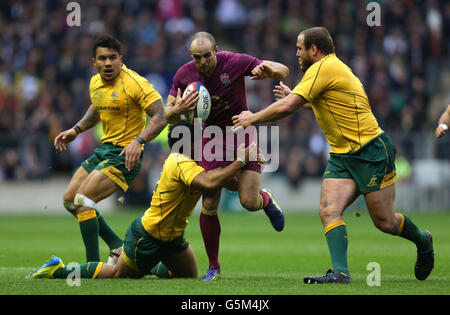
156, 123
90, 119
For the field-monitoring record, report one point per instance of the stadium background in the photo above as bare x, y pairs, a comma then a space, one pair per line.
45, 67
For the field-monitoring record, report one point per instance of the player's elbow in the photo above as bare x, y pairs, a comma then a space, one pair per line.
288, 109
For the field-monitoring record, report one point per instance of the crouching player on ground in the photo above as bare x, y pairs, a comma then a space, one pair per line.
158, 234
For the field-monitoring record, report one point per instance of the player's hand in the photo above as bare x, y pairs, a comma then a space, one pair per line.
132, 154
261, 159
281, 91
262, 71
441, 130
249, 153
63, 138
243, 120
187, 103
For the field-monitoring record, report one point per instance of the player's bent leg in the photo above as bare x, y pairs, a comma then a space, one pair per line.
381, 208
55, 269
96, 187
120, 270
336, 195
253, 198
77, 179
182, 265
249, 196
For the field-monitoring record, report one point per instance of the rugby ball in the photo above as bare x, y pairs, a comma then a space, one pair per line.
203, 104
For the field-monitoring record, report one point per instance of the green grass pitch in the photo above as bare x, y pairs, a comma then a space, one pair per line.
255, 259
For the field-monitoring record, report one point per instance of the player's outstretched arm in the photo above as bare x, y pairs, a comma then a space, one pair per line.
443, 123
177, 106
89, 120
208, 181
282, 90
275, 111
269, 69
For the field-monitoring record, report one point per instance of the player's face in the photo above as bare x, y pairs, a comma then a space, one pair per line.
108, 63
205, 56
304, 56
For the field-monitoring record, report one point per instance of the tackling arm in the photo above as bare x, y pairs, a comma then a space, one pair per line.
275, 111
210, 181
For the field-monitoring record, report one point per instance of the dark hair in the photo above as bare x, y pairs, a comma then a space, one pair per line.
320, 37
203, 35
107, 41
174, 138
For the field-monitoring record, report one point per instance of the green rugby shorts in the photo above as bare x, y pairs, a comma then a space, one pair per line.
372, 167
141, 251
107, 160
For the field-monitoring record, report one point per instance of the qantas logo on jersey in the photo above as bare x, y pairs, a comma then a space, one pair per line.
107, 107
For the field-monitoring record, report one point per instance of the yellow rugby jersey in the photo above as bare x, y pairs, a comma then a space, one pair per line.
173, 200
121, 104
340, 104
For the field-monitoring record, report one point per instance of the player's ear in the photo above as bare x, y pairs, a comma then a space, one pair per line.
314, 50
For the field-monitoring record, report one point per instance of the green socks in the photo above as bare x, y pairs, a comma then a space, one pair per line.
336, 235
89, 229
411, 232
89, 270
161, 271
93, 225
107, 233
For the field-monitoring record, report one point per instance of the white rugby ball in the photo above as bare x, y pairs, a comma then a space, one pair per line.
203, 104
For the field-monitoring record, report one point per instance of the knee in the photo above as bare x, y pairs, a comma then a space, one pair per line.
327, 215
210, 203
69, 205
386, 225
251, 204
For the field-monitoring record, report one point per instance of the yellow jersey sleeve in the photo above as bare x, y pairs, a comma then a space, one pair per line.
188, 169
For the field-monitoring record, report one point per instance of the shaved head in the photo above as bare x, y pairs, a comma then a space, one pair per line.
201, 38
204, 52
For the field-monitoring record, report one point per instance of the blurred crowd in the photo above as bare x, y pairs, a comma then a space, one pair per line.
45, 67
